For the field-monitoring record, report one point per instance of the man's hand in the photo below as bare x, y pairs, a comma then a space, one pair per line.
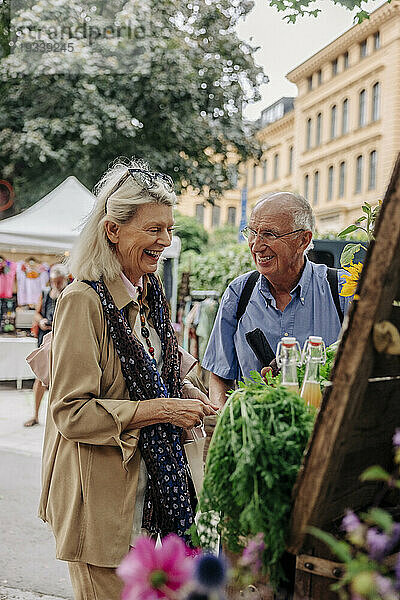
191, 391
272, 368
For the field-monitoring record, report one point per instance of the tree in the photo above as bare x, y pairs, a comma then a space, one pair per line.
299, 8
192, 235
171, 88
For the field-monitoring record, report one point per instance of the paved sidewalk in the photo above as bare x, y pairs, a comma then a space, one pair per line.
16, 407
7, 593
28, 567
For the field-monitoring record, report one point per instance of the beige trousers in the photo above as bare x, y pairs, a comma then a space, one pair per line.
94, 583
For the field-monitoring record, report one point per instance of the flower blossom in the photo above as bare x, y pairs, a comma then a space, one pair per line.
352, 276
150, 573
377, 544
252, 554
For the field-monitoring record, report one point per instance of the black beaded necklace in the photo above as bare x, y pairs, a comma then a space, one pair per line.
143, 329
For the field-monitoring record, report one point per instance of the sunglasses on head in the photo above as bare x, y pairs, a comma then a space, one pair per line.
147, 179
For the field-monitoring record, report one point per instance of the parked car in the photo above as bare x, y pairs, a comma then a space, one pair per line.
328, 252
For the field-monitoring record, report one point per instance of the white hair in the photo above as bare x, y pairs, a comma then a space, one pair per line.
300, 209
93, 255
58, 270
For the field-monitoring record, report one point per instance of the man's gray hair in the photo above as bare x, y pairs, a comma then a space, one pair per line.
303, 216
59, 270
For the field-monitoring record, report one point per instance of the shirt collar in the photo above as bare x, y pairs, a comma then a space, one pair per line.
301, 287
304, 281
118, 289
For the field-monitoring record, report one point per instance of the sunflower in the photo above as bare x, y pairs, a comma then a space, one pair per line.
352, 276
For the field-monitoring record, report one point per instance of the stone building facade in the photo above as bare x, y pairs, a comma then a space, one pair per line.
337, 141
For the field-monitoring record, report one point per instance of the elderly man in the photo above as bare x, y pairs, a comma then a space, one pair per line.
288, 296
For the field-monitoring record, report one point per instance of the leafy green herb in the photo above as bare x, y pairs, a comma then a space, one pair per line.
252, 464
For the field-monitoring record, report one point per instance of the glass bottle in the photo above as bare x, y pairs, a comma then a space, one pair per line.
288, 358
313, 355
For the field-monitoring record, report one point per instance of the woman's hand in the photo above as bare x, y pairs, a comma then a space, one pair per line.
191, 391
186, 413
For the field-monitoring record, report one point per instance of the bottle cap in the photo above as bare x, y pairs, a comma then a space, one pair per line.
288, 341
315, 340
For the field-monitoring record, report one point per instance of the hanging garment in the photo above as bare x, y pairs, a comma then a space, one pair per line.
7, 277
31, 281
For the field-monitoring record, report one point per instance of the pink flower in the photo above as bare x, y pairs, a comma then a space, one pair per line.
150, 573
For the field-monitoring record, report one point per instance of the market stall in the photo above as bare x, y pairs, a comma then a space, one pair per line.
29, 243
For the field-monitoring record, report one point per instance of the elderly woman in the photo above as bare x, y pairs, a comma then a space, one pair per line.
113, 462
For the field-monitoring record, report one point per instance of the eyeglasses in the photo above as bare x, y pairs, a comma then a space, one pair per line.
147, 179
265, 236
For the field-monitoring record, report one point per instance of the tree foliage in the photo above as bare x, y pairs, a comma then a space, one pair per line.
173, 93
192, 234
215, 269
299, 8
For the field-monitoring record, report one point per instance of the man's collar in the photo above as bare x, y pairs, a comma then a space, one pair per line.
304, 280
302, 285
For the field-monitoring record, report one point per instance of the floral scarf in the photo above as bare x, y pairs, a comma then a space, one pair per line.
169, 499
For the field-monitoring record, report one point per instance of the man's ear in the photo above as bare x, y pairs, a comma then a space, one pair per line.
112, 231
306, 237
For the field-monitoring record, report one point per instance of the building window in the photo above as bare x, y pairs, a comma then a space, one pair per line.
345, 116
359, 174
216, 216
342, 178
363, 49
306, 186
308, 134
231, 215
372, 170
264, 171
330, 183
254, 175
318, 132
333, 121
316, 188
309, 83
334, 67
290, 169
345, 60
276, 166
362, 103
319, 77
377, 40
200, 213
375, 102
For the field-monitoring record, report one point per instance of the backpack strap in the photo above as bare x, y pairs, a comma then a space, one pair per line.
246, 293
332, 277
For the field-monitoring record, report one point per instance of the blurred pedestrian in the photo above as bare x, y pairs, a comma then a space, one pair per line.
44, 319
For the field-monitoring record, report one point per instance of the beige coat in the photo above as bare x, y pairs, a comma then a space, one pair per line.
90, 460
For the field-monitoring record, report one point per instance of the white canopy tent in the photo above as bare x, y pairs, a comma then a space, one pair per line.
52, 224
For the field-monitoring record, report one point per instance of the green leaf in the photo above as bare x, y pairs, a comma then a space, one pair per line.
380, 517
348, 229
348, 253
375, 473
341, 549
361, 219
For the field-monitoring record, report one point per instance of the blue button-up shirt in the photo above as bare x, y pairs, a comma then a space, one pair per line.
311, 311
